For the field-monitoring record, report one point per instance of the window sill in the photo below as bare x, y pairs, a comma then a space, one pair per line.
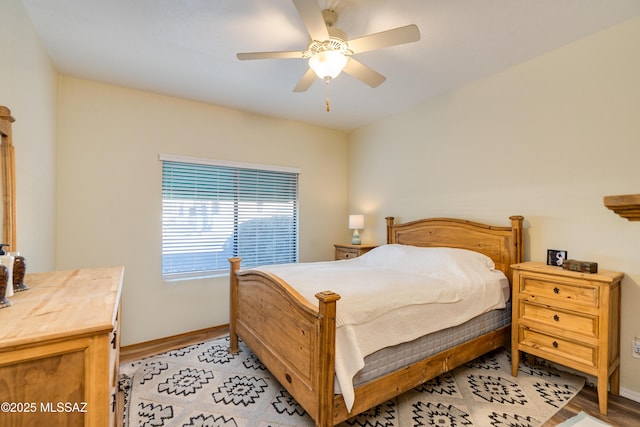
193, 276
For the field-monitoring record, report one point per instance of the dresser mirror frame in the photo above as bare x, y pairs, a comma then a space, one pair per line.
8, 180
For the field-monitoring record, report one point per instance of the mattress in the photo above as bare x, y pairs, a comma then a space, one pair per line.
390, 359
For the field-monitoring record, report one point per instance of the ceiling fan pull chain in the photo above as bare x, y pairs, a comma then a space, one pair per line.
327, 99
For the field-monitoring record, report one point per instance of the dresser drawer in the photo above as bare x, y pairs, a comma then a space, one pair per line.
574, 323
346, 253
553, 288
558, 349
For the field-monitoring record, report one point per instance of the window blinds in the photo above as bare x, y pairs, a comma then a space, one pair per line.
211, 212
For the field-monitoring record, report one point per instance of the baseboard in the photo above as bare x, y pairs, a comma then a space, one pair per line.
630, 394
161, 345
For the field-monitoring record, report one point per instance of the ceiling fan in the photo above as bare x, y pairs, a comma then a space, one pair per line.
330, 52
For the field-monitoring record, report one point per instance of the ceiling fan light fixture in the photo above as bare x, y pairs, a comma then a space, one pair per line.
328, 64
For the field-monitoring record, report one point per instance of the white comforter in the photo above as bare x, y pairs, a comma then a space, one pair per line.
394, 294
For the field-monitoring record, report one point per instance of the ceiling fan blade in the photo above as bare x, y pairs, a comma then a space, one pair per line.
306, 80
396, 36
270, 55
364, 73
311, 14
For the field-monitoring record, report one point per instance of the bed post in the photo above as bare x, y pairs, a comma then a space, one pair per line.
326, 356
389, 220
516, 229
234, 267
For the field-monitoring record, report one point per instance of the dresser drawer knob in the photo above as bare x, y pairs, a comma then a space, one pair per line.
556, 317
555, 344
346, 255
556, 290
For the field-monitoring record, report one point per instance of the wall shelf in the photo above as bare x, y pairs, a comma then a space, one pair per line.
627, 206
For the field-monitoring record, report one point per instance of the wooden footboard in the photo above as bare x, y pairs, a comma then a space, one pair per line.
294, 339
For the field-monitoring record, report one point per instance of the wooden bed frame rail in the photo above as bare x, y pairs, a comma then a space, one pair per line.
295, 340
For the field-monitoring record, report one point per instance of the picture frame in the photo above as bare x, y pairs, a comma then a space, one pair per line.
556, 257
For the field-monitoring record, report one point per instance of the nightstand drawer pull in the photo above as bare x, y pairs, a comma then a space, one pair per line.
555, 344
556, 317
556, 290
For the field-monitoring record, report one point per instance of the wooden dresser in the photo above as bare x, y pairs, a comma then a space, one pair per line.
346, 251
568, 318
59, 349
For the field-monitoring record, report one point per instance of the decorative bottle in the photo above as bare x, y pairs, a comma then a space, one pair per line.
4, 284
7, 261
19, 270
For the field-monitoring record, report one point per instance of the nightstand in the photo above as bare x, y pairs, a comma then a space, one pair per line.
568, 318
348, 251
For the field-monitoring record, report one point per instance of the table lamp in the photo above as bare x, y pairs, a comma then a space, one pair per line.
356, 222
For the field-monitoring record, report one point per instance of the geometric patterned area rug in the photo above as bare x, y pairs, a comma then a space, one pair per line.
205, 386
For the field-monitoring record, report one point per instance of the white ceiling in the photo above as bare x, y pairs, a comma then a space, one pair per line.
187, 48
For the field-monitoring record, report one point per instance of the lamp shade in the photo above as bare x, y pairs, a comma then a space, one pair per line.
356, 222
327, 64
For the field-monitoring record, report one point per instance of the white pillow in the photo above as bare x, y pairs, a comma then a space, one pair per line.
428, 261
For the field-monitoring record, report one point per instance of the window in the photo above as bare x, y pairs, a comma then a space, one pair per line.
212, 211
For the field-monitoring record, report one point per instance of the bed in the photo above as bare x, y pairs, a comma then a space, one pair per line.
296, 339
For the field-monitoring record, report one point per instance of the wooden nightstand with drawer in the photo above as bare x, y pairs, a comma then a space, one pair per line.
347, 251
568, 318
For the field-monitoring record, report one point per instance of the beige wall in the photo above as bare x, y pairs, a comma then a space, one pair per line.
546, 139
28, 88
109, 191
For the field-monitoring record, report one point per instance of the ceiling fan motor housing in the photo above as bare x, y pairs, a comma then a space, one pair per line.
337, 41
330, 18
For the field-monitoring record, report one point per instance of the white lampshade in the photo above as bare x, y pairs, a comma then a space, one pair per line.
356, 222
327, 64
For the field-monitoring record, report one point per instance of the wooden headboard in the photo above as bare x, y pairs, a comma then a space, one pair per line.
502, 244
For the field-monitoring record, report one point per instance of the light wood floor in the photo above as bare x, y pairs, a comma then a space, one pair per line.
622, 412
